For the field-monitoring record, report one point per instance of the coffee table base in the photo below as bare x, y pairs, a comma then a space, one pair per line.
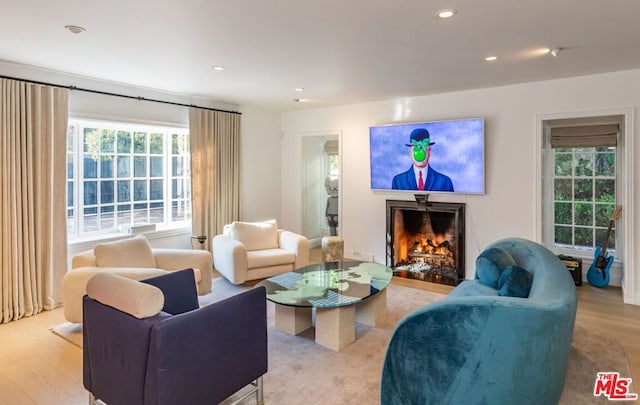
335, 327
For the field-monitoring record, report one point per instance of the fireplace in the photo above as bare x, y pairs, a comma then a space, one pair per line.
425, 240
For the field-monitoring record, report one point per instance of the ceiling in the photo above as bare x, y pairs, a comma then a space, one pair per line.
339, 51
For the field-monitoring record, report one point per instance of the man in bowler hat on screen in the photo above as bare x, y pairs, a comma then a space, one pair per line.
420, 175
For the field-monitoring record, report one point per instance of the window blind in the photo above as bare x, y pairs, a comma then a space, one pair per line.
331, 147
587, 136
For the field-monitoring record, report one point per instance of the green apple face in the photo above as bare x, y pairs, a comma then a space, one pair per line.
420, 149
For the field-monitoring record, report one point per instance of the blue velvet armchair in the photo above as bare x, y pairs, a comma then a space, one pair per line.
482, 345
148, 342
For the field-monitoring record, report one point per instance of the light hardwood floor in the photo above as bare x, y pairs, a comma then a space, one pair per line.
38, 367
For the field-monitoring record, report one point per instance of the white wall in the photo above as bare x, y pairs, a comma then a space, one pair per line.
508, 208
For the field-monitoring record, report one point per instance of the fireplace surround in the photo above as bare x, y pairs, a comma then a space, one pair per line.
425, 240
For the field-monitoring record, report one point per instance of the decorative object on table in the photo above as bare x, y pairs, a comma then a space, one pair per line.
332, 249
598, 273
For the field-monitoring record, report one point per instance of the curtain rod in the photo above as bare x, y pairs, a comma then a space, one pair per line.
106, 93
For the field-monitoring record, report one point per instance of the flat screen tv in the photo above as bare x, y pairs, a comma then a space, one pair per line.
440, 156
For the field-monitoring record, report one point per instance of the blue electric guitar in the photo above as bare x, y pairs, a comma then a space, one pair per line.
598, 274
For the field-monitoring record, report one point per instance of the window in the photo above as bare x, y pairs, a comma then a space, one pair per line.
581, 189
119, 174
584, 196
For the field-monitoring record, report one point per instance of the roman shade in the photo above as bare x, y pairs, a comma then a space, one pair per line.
586, 136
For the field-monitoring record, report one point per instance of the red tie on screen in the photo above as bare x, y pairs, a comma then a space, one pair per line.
420, 181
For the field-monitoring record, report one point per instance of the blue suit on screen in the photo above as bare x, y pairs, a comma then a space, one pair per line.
435, 181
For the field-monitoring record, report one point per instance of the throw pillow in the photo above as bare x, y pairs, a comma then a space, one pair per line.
490, 264
132, 252
256, 235
130, 296
515, 282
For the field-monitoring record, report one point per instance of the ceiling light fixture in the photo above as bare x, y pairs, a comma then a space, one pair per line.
490, 58
444, 14
299, 88
75, 29
218, 68
555, 52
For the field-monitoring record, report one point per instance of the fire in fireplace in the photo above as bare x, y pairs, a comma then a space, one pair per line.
425, 241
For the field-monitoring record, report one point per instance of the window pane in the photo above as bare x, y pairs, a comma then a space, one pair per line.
106, 192
604, 212
563, 164
90, 219
140, 166
601, 235
563, 213
90, 167
140, 190
90, 192
90, 140
124, 142
124, 166
177, 163
584, 237
156, 189
583, 162
107, 217
71, 138
156, 143
605, 190
124, 190
139, 142
179, 144
563, 235
124, 214
584, 214
70, 165
605, 164
155, 166
157, 213
563, 189
107, 139
106, 166
140, 213
583, 190
70, 193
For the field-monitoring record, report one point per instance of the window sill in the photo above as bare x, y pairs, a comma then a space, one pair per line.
86, 243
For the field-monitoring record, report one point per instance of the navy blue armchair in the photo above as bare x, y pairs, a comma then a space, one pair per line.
149, 342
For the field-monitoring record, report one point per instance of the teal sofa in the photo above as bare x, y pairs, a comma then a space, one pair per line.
479, 347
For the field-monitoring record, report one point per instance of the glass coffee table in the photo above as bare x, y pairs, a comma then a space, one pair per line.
341, 293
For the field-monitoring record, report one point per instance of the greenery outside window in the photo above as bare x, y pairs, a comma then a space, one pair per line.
584, 196
123, 174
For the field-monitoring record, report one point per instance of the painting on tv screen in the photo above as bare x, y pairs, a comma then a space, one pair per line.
428, 157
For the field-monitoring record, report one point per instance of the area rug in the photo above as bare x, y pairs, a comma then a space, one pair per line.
302, 372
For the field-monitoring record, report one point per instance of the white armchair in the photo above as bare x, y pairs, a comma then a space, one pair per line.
256, 250
132, 258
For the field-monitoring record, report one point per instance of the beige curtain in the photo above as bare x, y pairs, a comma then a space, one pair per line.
33, 230
214, 138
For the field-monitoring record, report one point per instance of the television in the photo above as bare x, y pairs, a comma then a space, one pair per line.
440, 156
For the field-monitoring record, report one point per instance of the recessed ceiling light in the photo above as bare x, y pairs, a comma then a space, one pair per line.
75, 29
299, 88
446, 13
218, 68
490, 58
